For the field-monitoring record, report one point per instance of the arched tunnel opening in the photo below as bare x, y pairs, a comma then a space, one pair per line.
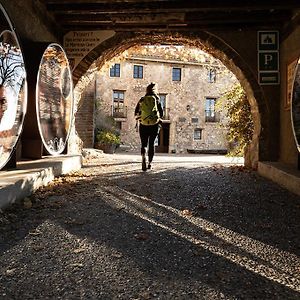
187, 228
115, 48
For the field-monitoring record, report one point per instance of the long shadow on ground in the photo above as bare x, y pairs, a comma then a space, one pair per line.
173, 233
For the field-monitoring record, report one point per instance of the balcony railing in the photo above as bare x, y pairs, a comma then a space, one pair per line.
212, 116
119, 112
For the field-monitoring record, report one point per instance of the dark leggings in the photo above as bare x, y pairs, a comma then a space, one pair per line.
148, 135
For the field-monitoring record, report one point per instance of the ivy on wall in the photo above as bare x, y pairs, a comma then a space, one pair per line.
240, 125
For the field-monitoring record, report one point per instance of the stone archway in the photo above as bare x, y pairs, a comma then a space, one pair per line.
83, 74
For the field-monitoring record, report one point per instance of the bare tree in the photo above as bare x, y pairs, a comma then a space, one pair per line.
11, 65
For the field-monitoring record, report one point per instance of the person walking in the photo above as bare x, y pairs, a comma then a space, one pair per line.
148, 113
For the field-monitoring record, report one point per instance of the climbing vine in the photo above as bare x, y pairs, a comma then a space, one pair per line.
240, 124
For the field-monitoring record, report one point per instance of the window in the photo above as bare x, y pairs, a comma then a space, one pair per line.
137, 71
197, 134
210, 113
195, 120
211, 75
115, 70
163, 103
118, 98
176, 74
118, 104
162, 98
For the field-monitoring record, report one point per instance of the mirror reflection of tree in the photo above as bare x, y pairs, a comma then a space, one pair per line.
13, 98
11, 62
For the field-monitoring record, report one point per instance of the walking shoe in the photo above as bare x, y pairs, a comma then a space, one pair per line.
144, 168
149, 166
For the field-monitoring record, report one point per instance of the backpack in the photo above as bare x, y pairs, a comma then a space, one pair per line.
149, 111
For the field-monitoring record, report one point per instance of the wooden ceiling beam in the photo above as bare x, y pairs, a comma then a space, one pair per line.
237, 17
176, 28
161, 15
72, 6
191, 18
121, 18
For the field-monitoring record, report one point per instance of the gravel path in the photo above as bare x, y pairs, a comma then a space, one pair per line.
187, 229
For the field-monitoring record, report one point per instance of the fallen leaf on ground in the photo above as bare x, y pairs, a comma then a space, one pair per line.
75, 222
76, 265
209, 229
38, 247
201, 206
142, 236
35, 232
10, 272
146, 295
186, 212
117, 255
79, 250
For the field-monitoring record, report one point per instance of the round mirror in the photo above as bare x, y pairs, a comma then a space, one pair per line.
295, 106
54, 99
13, 89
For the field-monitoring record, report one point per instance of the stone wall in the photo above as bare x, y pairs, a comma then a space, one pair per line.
84, 117
31, 21
185, 100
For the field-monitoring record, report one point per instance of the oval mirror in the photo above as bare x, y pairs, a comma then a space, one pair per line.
295, 105
54, 99
13, 89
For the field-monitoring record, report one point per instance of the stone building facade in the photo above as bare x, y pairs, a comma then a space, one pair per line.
189, 89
